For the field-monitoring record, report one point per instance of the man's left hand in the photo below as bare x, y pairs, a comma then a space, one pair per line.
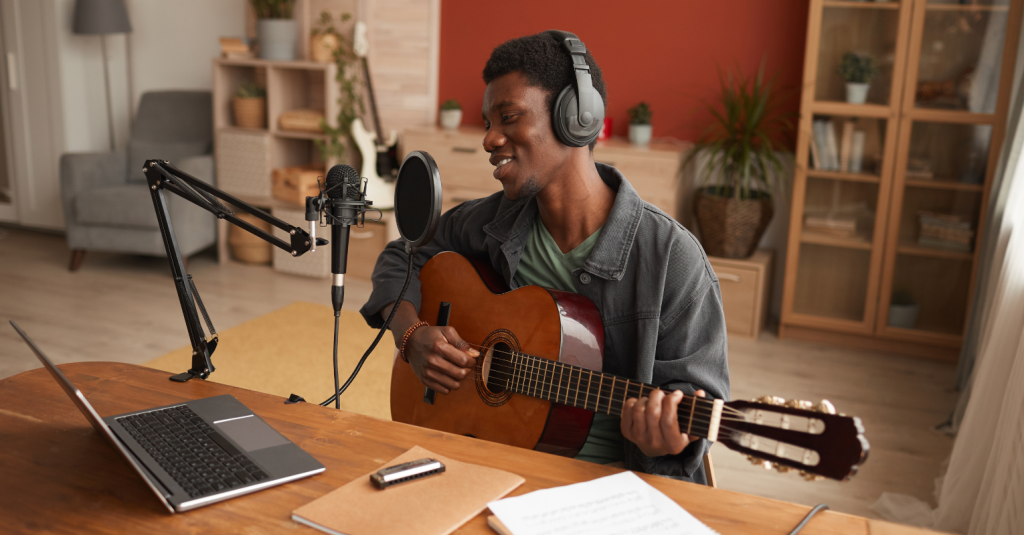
652, 423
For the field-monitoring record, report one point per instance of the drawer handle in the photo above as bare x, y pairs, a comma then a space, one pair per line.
730, 277
468, 150
362, 235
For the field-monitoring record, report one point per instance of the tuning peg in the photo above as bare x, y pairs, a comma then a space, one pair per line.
767, 465
798, 404
825, 406
770, 400
810, 477
781, 468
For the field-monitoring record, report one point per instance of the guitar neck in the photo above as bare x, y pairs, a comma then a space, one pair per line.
373, 103
595, 391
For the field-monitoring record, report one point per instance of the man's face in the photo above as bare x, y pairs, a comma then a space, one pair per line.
519, 137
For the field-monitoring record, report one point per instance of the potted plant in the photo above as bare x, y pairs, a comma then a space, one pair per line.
857, 71
250, 105
451, 114
350, 105
903, 310
325, 39
640, 124
275, 28
740, 165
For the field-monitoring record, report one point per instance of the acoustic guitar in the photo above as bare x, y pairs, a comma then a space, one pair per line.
538, 381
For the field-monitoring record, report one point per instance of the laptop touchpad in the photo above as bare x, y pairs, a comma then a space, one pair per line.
251, 433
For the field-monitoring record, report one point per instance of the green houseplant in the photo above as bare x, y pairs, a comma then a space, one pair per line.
350, 105
857, 71
275, 29
640, 124
739, 165
451, 114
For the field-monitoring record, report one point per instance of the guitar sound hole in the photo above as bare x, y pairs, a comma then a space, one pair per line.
494, 367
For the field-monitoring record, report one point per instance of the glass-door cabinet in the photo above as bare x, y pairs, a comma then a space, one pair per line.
902, 114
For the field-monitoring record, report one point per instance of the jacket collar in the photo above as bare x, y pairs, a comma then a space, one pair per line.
611, 252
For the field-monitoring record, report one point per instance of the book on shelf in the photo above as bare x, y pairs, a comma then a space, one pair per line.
857, 151
843, 227
846, 146
833, 144
820, 129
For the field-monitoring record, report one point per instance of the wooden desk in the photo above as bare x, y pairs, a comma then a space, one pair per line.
59, 476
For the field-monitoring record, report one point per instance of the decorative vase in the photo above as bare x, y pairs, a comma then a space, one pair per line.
730, 227
322, 47
857, 93
250, 112
903, 316
451, 119
640, 134
277, 38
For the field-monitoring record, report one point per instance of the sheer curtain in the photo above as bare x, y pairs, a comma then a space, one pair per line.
982, 491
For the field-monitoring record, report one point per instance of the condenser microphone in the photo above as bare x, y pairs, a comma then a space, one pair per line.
345, 202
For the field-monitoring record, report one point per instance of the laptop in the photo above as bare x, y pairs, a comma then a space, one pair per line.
195, 453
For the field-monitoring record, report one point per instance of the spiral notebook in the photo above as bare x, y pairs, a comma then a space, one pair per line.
435, 505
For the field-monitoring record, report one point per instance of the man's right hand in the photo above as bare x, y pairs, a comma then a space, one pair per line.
438, 356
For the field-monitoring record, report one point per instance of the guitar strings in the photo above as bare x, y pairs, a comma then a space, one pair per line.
529, 357
533, 374
539, 383
702, 413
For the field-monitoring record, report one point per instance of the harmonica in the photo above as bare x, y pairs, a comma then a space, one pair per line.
401, 473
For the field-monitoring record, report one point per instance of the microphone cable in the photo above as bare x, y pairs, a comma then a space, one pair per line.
336, 398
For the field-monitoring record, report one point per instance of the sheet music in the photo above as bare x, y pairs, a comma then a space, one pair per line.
612, 505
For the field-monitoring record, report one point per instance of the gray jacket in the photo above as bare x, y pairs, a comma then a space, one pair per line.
648, 276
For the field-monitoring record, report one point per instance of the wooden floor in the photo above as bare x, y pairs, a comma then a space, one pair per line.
124, 308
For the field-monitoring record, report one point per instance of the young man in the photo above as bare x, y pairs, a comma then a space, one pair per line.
563, 221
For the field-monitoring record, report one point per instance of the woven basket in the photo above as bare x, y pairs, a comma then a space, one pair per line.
322, 47
731, 228
250, 112
246, 247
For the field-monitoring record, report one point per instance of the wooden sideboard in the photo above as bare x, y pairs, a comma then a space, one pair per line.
466, 173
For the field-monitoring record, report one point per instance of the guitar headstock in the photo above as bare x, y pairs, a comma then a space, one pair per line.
795, 434
359, 43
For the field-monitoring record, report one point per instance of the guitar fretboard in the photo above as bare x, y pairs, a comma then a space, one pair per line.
594, 391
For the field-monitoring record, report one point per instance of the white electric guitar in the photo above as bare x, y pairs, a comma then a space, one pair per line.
380, 160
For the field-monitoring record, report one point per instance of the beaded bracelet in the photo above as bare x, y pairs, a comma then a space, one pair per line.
405, 338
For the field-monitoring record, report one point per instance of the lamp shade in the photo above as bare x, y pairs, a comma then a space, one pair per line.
101, 17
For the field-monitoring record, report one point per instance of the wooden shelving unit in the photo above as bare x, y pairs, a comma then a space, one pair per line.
929, 117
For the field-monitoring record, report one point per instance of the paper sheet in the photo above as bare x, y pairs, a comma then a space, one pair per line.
613, 505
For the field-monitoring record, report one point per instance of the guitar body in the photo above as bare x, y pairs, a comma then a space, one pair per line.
555, 325
381, 190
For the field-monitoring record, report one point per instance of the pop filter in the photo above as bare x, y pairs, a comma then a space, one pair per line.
418, 198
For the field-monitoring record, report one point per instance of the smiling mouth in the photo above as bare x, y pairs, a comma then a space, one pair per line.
502, 162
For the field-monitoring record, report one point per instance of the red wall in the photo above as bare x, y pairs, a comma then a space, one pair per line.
663, 52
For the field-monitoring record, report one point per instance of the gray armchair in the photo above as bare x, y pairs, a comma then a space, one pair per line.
107, 203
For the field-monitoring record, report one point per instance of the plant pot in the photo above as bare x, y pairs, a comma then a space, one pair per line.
903, 316
857, 93
322, 47
730, 227
451, 119
277, 38
640, 134
250, 112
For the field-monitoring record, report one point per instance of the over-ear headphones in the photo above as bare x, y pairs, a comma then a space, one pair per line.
579, 111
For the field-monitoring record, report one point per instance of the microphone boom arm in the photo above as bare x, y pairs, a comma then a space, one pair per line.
161, 176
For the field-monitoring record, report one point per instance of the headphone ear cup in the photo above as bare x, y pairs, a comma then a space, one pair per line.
566, 125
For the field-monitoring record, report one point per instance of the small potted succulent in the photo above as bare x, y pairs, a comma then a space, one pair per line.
276, 31
857, 71
640, 124
451, 114
250, 105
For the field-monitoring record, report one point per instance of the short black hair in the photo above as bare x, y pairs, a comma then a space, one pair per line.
544, 63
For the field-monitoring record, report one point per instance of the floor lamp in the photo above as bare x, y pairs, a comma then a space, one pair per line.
103, 17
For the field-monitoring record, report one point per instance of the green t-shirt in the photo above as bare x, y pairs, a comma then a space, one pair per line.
543, 264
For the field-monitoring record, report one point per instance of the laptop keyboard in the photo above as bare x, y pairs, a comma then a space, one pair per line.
201, 460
